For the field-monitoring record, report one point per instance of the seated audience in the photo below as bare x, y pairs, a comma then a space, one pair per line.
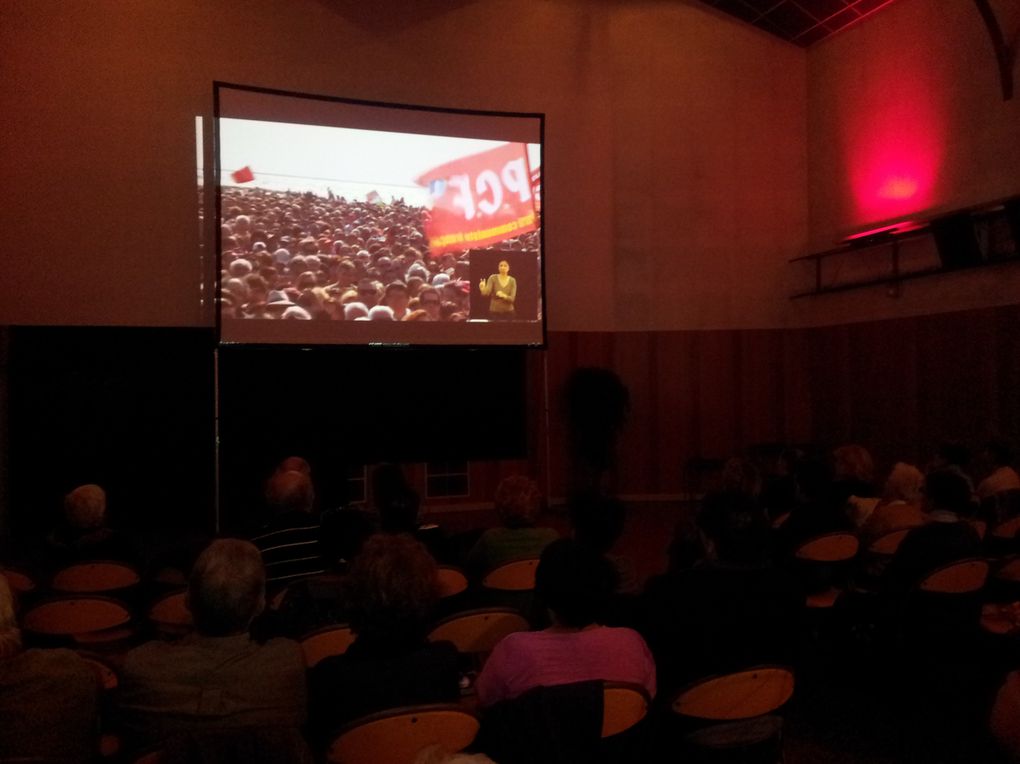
290, 543
48, 698
900, 505
399, 510
854, 473
393, 589
944, 538
818, 508
518, 503
573, 582
1001, 476
598, 524
729, 610
84, 534
216, 678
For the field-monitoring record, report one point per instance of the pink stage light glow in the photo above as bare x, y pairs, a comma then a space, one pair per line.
894, 144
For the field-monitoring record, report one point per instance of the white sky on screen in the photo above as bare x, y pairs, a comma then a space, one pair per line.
349, 162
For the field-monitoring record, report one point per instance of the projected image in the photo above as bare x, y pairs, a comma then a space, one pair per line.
333, 224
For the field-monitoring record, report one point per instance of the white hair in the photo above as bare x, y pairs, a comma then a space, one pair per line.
905, 482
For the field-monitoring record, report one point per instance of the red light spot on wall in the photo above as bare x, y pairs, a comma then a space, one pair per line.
894, 142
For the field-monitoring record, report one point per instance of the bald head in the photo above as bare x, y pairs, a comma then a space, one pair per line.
290, 492
85, 507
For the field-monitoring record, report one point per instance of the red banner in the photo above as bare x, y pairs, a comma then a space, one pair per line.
244, 175
480, 199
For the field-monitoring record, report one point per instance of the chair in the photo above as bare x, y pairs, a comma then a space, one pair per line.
95, 577
888, 543
396, 736
623, 705
1007, 530
961, 577
477, 632
170, 615
88, 620
739, 709
326, 642
21, 583
825, 551
451, 581
514, 576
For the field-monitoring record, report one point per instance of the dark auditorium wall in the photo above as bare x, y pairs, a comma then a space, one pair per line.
898, 386
675, 143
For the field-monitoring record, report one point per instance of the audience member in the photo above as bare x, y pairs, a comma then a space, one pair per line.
48, 698
598, 524
518, 502
729, 610
944, 538
854, 473
393, 590
218, 677
818, 509
573, 582
84, 534
290, 543
900, 505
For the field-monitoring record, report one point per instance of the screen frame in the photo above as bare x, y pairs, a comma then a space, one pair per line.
470, 329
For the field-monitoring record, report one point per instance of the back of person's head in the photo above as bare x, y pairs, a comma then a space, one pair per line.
396, 501
10, 634
739, 475
734, 529
905, 483
227, 587
853, 462
295, 464
290, 491
518, 501
947, 490
85, 507
393, 585
574, 582
598, 522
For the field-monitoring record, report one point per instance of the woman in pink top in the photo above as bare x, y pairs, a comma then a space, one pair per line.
573, 582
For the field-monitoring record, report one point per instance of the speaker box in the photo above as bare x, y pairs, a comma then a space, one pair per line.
957, 245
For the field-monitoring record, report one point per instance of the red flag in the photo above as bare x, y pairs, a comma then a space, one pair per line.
480, 199
244, 175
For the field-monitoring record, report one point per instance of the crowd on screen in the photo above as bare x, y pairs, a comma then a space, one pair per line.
296, 255
732, 596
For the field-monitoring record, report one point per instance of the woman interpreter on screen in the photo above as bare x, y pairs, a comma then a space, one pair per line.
503, 289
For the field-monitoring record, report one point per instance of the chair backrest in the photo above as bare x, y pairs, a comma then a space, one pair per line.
1007, 530
397, 736
69, 616
20, 582
961, 577
623, 705
170, 614
888, 543
1009, 570
839, 546
95, 577
451, 581
980, 527
516, 575
741, 695
780, 520
478, 631
106, 675
326, 642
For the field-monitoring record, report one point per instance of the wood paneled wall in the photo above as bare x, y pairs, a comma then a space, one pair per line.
897, 387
